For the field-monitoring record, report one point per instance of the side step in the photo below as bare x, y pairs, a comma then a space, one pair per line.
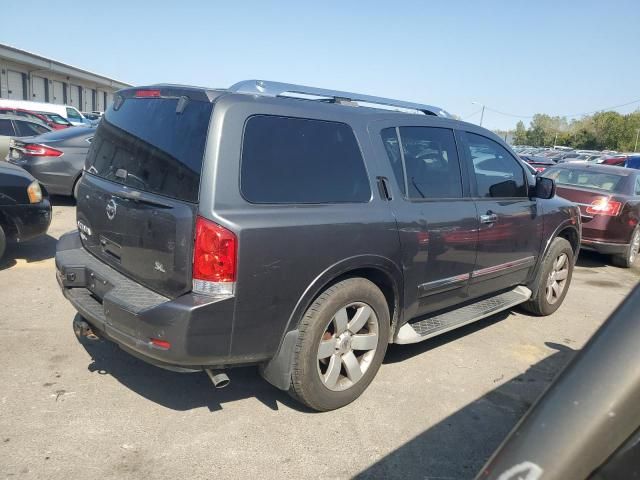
432, 326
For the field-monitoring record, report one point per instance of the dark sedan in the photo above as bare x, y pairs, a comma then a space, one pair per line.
56, 158
609, 201
25, 211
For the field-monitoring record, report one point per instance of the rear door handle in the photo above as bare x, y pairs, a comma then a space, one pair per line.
489, 218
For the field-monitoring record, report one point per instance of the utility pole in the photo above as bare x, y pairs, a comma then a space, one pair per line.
481, 114
635, 149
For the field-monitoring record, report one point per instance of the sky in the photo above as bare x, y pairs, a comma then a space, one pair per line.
517, 57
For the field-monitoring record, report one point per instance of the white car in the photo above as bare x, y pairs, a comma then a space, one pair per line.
70, 113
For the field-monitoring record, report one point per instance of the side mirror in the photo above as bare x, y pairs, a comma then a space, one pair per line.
545, 188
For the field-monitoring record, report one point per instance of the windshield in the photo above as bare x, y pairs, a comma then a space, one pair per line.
607, 182
57, 119
146, 145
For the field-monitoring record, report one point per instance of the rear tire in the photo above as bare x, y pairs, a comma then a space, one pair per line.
342, 339
75, 188
627, 259
3, 242
553, 280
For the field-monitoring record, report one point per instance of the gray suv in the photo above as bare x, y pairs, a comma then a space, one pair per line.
302, 230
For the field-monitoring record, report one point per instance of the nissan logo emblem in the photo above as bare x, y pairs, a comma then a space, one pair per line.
111, 209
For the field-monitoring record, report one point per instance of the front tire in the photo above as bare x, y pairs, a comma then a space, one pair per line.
554, 279
342, 339
629, 257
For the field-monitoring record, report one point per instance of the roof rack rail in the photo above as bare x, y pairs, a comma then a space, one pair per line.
278, 89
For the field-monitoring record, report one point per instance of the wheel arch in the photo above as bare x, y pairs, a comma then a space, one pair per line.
381, 271
567, 230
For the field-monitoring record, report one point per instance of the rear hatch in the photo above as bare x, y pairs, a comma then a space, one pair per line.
138, 198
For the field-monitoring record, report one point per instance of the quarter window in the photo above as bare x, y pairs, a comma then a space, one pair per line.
392, 146
6, 129
497, 173
295, 160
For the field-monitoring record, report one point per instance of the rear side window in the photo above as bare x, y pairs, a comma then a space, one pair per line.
28, 129
146, 145
430, 160
294, 160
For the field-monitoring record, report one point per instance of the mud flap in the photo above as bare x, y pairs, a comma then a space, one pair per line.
278, 370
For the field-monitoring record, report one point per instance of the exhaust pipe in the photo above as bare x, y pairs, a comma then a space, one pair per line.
83, 330
218, 378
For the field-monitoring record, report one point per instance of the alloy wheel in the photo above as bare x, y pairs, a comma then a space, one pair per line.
557, 280
348, 346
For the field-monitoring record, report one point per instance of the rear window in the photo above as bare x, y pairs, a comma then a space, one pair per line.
607, 182
294, 160
146, 145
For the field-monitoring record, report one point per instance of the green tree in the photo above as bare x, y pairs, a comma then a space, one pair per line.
520, 136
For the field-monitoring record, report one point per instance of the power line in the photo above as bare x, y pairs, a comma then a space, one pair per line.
564, 115
473, 114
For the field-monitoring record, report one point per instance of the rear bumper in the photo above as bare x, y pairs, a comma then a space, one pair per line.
197, 327
608, 248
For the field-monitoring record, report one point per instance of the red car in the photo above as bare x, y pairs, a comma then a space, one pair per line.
609, 201
53, 120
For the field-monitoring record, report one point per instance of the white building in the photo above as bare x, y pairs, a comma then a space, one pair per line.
27, 76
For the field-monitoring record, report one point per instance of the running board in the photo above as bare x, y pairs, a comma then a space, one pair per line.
432, 326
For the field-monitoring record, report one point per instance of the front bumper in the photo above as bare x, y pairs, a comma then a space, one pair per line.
197, 327
607, 248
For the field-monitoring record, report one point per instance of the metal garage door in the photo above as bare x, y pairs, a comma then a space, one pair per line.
16, 85
38, 89
74, 97
57, 91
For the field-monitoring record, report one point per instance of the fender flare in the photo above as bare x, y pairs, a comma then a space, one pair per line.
277, 371
564, 225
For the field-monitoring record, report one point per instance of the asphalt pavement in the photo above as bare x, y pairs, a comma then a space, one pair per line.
436, 410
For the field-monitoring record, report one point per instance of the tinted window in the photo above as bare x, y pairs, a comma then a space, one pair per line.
6, 128
28, 129
637, 191
497, 172
146, 145
57, 119
392, 146
431, 162
585, 179
293, 160
73, 114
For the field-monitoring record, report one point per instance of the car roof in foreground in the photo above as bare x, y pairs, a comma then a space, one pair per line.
611, 169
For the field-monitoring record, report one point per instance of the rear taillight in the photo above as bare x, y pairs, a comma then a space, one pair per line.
214, 259
540, 169
36, 150
604, 206
147, 93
